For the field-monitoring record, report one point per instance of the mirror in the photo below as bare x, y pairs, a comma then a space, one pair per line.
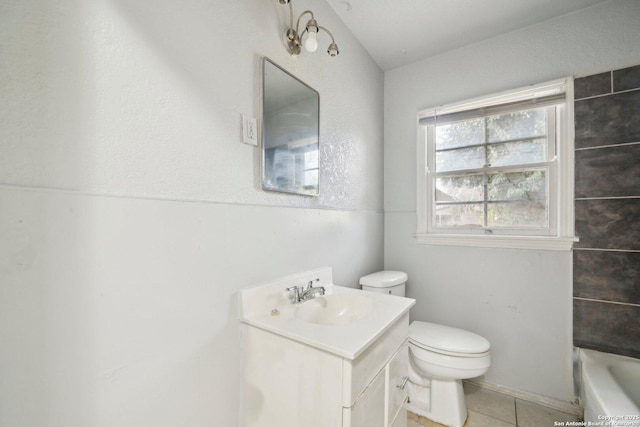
290, 133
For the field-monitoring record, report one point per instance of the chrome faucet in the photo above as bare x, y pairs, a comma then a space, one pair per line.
305, 293
310, 291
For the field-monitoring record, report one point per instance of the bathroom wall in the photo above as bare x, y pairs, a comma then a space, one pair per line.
606, 262
131, 212
521, 300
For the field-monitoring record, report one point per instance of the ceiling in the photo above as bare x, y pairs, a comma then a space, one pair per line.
398, 32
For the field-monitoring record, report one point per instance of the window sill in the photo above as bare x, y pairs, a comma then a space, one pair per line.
506, 242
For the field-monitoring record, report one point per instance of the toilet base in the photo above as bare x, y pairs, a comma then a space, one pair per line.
442, 402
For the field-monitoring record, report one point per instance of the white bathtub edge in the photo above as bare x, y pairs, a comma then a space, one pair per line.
601, 394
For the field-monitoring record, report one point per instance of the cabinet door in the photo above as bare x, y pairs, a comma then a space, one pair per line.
397, 374
369, 409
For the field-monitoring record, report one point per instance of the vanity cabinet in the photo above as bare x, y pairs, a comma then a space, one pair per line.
382, 401
396, 393
369, 410
289, 383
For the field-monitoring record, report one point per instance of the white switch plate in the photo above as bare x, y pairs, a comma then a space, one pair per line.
249, 130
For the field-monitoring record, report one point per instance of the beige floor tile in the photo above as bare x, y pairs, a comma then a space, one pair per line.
476, 419
491, 403
419, 421
487, 408
532, 415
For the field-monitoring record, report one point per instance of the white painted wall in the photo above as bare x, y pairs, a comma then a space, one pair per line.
131, 213
520, 300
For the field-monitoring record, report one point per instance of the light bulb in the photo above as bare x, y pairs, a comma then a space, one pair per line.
311, 42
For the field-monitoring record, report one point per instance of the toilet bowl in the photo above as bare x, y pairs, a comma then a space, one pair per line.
440, 357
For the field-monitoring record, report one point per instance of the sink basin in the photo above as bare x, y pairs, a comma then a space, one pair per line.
345, 321
338, 309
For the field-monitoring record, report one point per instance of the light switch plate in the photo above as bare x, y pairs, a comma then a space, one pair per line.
249, 130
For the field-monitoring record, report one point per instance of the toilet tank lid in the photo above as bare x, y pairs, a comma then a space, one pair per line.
441, 337
384, 279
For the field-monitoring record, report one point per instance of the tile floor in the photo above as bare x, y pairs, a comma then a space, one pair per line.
487, 408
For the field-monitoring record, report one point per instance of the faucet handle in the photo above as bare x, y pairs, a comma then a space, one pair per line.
296, 293
310, 283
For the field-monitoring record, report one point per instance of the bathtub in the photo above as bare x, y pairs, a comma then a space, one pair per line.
610, 389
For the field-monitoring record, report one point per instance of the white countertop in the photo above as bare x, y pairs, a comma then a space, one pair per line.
347, 340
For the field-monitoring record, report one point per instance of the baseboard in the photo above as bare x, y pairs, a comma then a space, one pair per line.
560, 405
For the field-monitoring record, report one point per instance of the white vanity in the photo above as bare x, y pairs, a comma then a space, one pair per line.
338, 360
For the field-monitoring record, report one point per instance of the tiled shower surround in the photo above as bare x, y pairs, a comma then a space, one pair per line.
606, 261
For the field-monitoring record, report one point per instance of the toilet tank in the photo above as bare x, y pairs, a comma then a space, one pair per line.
385, 282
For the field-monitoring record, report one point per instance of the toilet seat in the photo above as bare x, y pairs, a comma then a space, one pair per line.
447, 340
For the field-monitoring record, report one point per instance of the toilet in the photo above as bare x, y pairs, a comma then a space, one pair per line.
440, 357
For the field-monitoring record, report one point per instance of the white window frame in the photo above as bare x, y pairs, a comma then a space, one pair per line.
560, 235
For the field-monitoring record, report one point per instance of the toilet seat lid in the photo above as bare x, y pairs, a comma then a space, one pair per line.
447, 340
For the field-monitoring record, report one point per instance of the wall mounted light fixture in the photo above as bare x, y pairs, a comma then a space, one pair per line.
294, 36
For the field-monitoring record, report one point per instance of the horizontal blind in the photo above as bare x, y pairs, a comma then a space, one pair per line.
493, 110
536, 96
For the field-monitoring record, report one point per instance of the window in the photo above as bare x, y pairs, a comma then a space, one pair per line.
311, 169
498, 171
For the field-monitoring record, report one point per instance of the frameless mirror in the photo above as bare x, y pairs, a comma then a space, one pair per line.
290, 133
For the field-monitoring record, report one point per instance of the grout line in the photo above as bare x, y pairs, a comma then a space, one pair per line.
608, 146
607, 250
602, 95
611, 80
607, 302
494, 418
515, 409
607, 198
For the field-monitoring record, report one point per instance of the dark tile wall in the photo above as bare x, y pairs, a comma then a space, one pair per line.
606, 261
611, 172
612, 328
598, 84
610, 119
608, 224
607, 276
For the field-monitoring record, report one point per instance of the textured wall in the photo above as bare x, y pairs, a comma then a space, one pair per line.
606, 262
520, 300
131, 213
144, 98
